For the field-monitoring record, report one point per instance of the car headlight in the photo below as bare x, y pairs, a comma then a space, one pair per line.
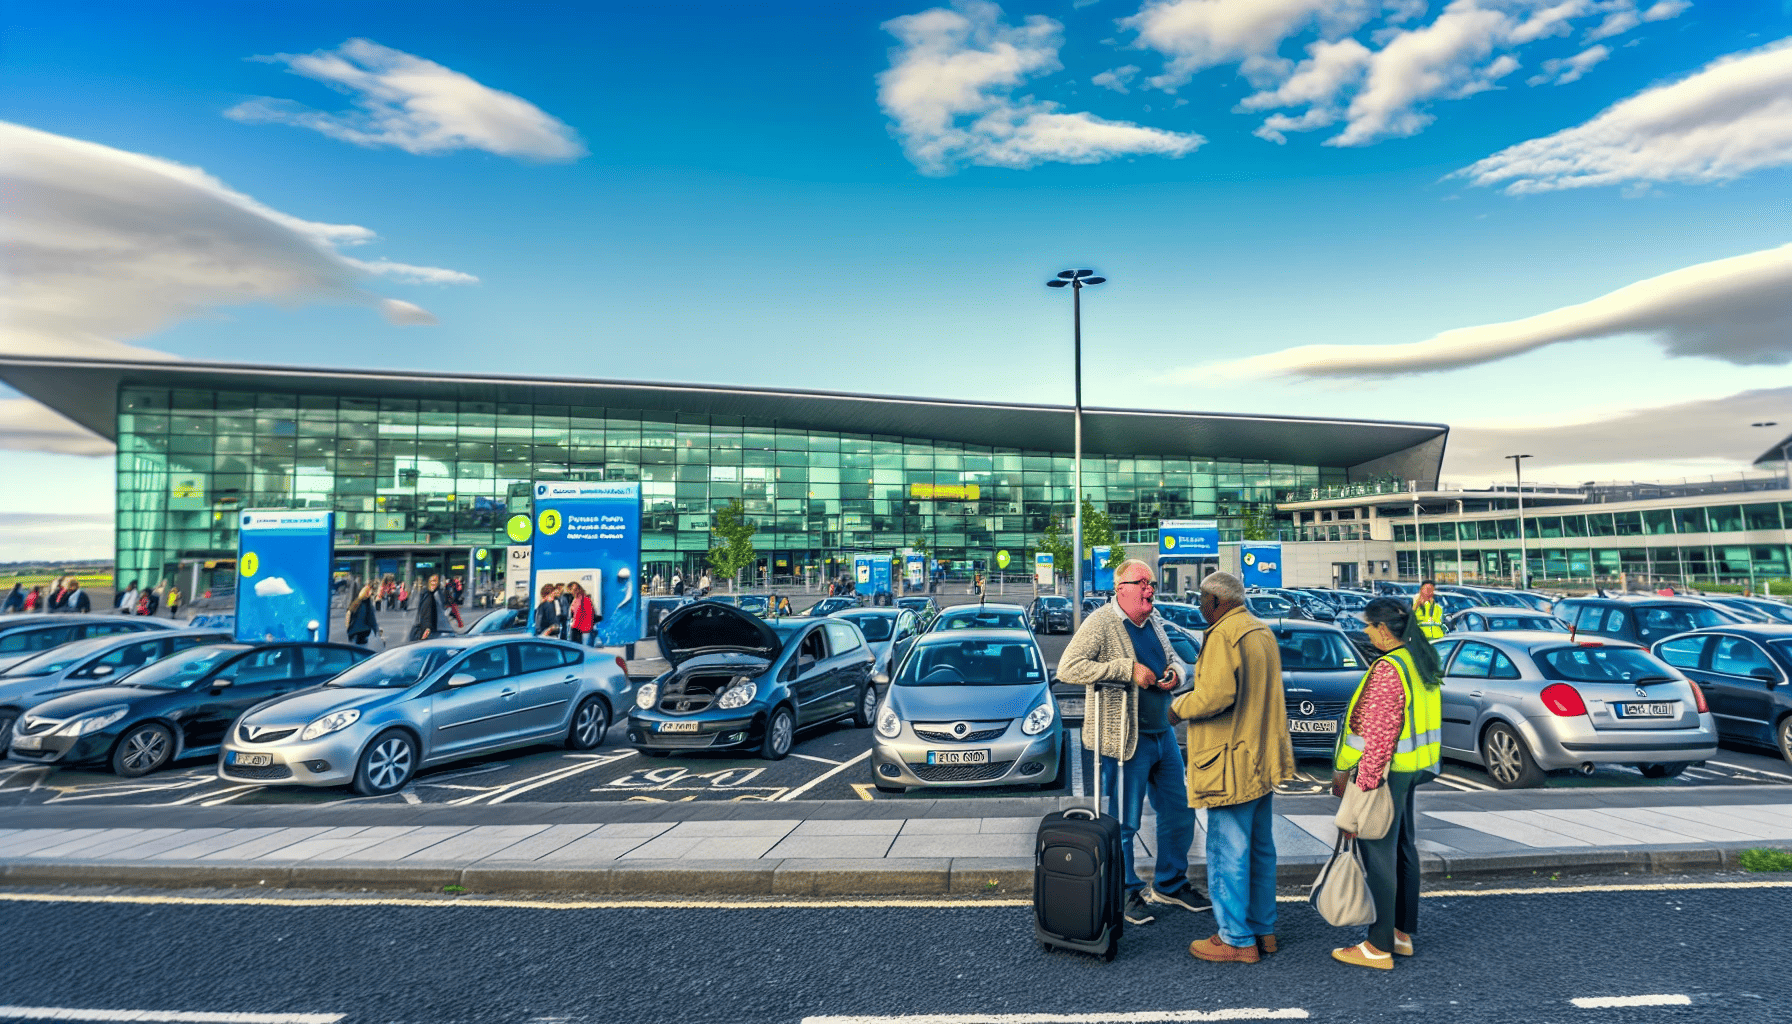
737, 695
335, 721
1037, 719
94, 722
888, 725
646, 695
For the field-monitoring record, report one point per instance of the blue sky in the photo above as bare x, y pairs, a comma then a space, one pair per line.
871, 196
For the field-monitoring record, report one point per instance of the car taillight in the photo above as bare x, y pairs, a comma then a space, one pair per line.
623, 665
1564, 700
1698, 697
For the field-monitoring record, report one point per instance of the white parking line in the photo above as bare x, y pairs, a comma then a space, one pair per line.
1619, 1002
1757, 771
1134, 1017
171, 1016
823, 777
197, 797
552, 777
812, 757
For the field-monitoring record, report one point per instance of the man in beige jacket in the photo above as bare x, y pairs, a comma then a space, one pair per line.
1238, 752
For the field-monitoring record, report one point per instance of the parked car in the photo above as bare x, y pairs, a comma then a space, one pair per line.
1523, 704
1357, 632
1502, 620
178, 707
1488, 597
1775, 611
503, 620
1537, 602
1636, 618
762, 605
440, 700
888, 632
1742, 609
1320, 672
25, 634
1049, 614
829, 605
1188, 616
980, 616
84, 664
1390, 588
1311, 607
1346, 600
969, 707
1746, 673
925, 608
741, 682
1271, 606
1091, 602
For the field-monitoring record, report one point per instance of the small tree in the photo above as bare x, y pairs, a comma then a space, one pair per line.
1054, 543
1099, 530
1256, 524
733, 534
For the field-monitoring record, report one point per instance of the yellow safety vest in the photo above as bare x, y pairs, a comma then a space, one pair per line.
1431, 619
1421, 736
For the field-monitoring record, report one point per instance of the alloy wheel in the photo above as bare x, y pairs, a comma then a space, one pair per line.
783, 731
390, 763
1503, 756
1785, 738
144, 749
868, 704
7, 721
589, 728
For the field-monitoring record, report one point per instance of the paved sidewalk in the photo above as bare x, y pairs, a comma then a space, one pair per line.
820, 847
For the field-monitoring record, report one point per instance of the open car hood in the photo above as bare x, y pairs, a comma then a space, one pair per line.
710, 627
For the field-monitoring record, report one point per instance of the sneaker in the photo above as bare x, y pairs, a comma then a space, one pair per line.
1363, 956
1138, 912
1187, 896
1215, 949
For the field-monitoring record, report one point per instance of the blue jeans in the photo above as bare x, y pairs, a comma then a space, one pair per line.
1156, 766
1241, 870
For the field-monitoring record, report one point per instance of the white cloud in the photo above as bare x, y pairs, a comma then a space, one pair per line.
1731, 117
1561, 71
1442, 60
1736, 310
1116, 79
1330, 67
950, 90
413, 104
1198, 34
27, 426
272, 586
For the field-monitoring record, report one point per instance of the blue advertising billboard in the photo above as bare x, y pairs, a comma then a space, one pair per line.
1042, 568
1097, 575
589, 533
1188, 538
914, 570
871, 574
283, 574
1262, 561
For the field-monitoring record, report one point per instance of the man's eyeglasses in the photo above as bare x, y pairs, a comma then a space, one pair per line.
1147, 584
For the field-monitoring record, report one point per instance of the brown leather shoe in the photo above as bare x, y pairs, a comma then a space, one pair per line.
1266, 943
1215, 949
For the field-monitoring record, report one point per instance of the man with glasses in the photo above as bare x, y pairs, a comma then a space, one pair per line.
1123, 641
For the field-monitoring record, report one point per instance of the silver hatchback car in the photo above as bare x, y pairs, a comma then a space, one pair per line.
1521, 704
376, 724
970, 707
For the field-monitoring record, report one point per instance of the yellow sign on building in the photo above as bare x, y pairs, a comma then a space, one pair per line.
945, 492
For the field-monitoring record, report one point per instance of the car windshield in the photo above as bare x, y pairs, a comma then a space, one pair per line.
972, 663
784, 628
875, 627
503, 618
1055, 602
1588, 664
58, 658
985, 619
1546, 623
1776, 611
1657, 621
831, 605
397, 669
1181, 615
182, 670
1268, 606
1312, 650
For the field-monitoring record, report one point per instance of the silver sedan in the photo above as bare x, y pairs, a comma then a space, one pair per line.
376, 724
968, 707
1521, 704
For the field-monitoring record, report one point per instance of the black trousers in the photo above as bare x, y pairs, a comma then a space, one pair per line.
1392, 866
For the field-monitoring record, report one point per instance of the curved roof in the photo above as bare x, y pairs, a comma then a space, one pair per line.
85, 390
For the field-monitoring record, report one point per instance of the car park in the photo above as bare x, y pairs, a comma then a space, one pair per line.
1523, 704
1391, 588
83, 664
25, 634
1345, 600
741, 682
980, 616
1746, 673
180, 706
888, 632
1049, 614
762, 605
969, 707
1502, 620
427, 703
1321, 669
1636, 618
925, 608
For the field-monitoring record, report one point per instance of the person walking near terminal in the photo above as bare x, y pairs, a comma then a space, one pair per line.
581, 616
677, 585
361, 621
548, 619
15, 600
127, 601
1125, 640
74, 599
1429, 611
1393, 725
703, 586
1238, 753
173, 599
34, 601
429, 613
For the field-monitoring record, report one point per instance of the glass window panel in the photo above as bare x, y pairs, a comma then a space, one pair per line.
1724, 518
1658, 521
1765, 516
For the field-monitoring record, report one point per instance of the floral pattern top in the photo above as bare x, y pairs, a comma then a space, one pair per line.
1378, 719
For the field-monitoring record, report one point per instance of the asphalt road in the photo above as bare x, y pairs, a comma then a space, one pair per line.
1701, 954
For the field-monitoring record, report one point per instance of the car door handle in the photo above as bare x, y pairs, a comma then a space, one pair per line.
1475, 693
506, 693
569, 679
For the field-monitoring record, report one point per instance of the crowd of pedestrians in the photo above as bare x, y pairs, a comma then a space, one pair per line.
65, 594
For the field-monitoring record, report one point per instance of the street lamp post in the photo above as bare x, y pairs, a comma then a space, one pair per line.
1524, 558
1783, 451
1076, 281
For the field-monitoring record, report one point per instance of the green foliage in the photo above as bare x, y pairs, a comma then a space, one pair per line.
1097, 531
733, 534
1257, 524
920, 547
1054, 543
1765, 860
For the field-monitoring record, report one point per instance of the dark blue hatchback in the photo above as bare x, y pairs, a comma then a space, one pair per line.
1746, 672
1320, 671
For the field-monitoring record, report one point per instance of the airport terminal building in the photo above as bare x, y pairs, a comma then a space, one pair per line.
422, 468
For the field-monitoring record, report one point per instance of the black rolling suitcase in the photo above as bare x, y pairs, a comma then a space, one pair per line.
1078, 895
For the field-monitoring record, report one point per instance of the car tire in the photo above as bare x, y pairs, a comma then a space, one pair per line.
1783, 735
590, 724
1508, 762
8, 719
780, 734
387, 764
142, 749
866, 711
1661, 771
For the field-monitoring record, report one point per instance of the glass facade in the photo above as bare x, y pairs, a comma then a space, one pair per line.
409, 474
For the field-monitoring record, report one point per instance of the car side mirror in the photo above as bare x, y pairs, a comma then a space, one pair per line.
462, 679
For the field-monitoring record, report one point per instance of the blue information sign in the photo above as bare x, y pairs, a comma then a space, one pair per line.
914, 570
1262, 561
1097, 576
871, 574
1188, 538
590, 534
283, 574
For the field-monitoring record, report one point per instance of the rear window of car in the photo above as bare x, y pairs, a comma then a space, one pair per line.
1055, 602
1657, 621
876, 628
983, 620
972, 663
1543, 622
1312, 650
1600, 665
1269, 607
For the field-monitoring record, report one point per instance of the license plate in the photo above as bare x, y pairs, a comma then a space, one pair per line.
1071, 707
1645, 711
678, 727
27, 743
247, 760
958, 757
1325, 725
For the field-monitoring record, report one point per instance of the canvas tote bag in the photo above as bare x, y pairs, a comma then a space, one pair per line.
1341, 892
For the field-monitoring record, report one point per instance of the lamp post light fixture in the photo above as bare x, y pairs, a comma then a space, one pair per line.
1783, 456
1524, 558
1076, 281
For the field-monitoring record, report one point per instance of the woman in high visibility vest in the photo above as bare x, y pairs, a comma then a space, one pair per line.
1392, 738
1429, 611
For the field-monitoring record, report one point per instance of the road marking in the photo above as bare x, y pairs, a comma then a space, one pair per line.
245, 791
1472, 784
172, 1016
823, 777
864, 790
197, 797
1757, 771
1618, 1002
409, 793
502, 793
812, 757
1134, 1017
